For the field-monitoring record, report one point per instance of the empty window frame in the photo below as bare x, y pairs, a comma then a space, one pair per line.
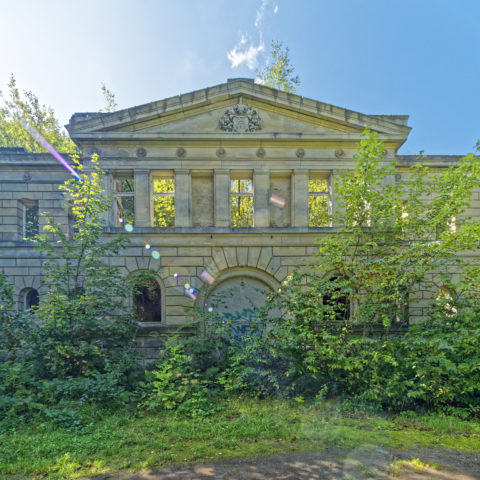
29, 219
163, 201
318, 202
124, 194
147, 301
338, 304
241, 202
31, 300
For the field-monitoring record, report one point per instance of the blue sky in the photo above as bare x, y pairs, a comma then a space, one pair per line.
416, 57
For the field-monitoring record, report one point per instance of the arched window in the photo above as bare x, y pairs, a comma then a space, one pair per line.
445, 297
338, 301
147, 300
30, 300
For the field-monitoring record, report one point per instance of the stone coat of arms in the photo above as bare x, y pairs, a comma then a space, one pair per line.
240, 119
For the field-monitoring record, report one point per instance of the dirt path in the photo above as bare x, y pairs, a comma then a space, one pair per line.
331, 464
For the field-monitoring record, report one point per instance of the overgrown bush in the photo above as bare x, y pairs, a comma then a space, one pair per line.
77, 345
343, 328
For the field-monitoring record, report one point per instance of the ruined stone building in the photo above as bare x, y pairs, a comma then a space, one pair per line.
226, 185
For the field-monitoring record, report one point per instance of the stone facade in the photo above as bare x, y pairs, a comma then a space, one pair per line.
274, 142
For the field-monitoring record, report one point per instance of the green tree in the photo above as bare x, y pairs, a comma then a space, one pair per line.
26, 106
278, 73
84, 327
392, 240
109, 97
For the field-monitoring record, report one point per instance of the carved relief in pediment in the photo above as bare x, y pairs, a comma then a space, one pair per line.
240, 119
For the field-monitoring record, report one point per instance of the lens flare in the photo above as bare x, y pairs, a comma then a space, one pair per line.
129, 228
156, 254
207, 277
210, 309
277, 200
190, 292
148, 246
51, 150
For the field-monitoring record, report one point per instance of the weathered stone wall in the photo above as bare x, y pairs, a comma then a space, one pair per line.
281, 142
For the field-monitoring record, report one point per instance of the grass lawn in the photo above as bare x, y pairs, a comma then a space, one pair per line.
126, 440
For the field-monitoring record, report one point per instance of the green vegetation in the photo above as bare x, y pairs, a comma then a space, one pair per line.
330, 344
77, 345
278, 73
107, 442
40, 117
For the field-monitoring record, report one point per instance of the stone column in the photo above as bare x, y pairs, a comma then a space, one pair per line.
108, 217
183, 198
143, 201
261, 193
300, 198
221, 198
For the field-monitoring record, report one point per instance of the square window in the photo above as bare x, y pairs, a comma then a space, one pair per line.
318, 203
241, 202
30, 219
163, 202
124, 193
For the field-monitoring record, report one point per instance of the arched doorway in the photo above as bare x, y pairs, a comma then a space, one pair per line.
239, 294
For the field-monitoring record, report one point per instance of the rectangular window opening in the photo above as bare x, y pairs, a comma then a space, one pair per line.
163, 202
30, 219
124, 205
241, 202
318, 203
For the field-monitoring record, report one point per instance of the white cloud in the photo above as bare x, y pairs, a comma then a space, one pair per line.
261, 13
245, 52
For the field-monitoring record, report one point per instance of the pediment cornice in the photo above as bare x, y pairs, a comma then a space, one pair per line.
130, 122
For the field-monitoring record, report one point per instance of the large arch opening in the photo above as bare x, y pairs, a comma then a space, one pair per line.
239, 293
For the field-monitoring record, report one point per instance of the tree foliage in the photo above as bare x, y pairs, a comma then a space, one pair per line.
78, 343
394, 244
42, 118
278, 73
109, 97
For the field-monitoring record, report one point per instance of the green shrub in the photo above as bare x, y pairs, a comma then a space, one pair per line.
178, 387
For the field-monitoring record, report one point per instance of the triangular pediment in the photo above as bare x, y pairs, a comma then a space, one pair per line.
232, 109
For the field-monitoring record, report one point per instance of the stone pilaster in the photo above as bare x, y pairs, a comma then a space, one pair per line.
183, 198
261, 193
222, 198
108, 217
143, 200
300, 198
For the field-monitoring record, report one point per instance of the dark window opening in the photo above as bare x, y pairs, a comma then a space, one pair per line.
31, 300
338, 302
30, 220
147, 301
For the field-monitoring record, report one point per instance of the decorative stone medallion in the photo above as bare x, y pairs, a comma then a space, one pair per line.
300, 153
27, 177
181, 152
339, 153
240, 119
141, 152
221, 153
261, 152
